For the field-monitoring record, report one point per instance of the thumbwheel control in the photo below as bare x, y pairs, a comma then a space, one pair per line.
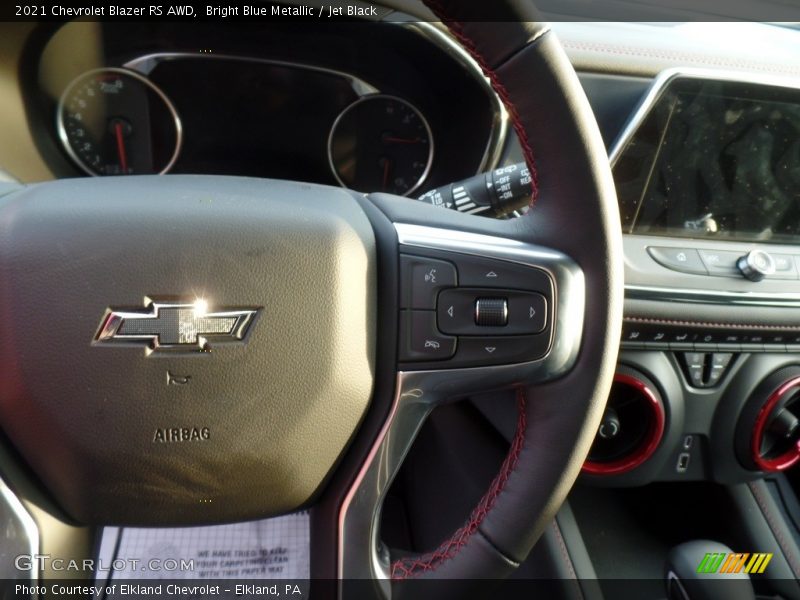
491, 312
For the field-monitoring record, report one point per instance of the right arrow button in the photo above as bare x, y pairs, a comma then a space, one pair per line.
527, 312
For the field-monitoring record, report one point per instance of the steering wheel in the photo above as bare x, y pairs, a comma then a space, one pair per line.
200, 349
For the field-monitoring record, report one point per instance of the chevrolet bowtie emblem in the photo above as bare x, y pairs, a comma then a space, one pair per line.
175, 326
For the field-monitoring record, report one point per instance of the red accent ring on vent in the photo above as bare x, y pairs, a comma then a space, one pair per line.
788, 458
653, 439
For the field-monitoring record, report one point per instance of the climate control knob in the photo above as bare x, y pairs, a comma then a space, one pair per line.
756, 264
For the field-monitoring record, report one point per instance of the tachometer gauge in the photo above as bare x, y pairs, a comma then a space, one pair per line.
381, 143
117, 122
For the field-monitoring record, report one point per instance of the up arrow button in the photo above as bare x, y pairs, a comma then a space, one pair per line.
474, 271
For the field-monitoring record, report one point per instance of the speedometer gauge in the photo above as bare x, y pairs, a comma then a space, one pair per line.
117, 122
381, 143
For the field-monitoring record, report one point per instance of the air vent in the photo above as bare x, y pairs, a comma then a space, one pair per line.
768, 433
632, 426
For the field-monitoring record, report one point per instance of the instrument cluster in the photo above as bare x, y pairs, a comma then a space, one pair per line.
361, 115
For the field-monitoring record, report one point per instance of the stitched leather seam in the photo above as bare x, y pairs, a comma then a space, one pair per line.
711, 324
697, 58
457, 29
409, 567
776, 531
567, 559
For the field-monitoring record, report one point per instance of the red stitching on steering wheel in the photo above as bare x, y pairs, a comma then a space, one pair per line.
409, 567
457, 29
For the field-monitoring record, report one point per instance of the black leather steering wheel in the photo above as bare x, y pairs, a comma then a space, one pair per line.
133, 412
573, 210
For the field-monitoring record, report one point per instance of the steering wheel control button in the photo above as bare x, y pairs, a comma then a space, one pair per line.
457, 312
491, 312
482, 351
422, 279
686, 260
420, 340
487, 273
756, 265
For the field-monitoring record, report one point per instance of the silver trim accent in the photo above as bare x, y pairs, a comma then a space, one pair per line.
6, 177
421, 179
113, 321
440, 36
671, 294
26, 522
146, 63
62, 131
418, 392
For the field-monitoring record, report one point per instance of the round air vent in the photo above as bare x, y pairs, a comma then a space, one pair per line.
632, 426
768, 433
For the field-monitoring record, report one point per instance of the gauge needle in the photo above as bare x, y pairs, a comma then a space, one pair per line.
397, 140
386, 165
123, 158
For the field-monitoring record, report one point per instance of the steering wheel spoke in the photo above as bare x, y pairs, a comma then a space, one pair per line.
477, 312
532, 304
471, 300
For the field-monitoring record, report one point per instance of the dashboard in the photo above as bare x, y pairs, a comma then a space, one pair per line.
706, 162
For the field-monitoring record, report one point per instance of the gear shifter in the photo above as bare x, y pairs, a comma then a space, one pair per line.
684, 582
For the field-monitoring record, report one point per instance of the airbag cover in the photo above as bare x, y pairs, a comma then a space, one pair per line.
123, 435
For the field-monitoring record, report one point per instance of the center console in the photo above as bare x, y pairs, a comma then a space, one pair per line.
708, 178
707, 391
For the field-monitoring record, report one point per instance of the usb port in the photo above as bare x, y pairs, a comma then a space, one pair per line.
683, 462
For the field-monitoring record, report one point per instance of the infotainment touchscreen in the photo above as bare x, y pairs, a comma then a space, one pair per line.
714, 159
